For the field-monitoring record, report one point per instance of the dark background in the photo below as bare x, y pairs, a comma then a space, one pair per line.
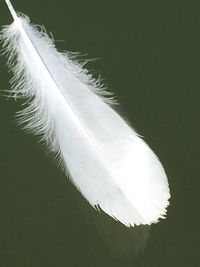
150, 58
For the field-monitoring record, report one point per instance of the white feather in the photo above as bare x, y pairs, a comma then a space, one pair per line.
108, 162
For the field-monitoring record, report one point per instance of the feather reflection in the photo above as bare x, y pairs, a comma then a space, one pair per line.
124, 244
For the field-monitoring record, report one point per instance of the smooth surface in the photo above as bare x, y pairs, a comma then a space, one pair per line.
150, 58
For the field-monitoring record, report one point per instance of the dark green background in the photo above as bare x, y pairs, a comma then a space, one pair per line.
150, 58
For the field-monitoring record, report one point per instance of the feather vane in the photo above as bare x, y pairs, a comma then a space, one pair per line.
108, 162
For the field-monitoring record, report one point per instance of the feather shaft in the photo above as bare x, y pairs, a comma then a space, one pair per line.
47, 73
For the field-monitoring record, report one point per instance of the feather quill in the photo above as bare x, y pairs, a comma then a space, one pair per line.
107, 161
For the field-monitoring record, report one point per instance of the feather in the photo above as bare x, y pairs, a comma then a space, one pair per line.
108, 162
